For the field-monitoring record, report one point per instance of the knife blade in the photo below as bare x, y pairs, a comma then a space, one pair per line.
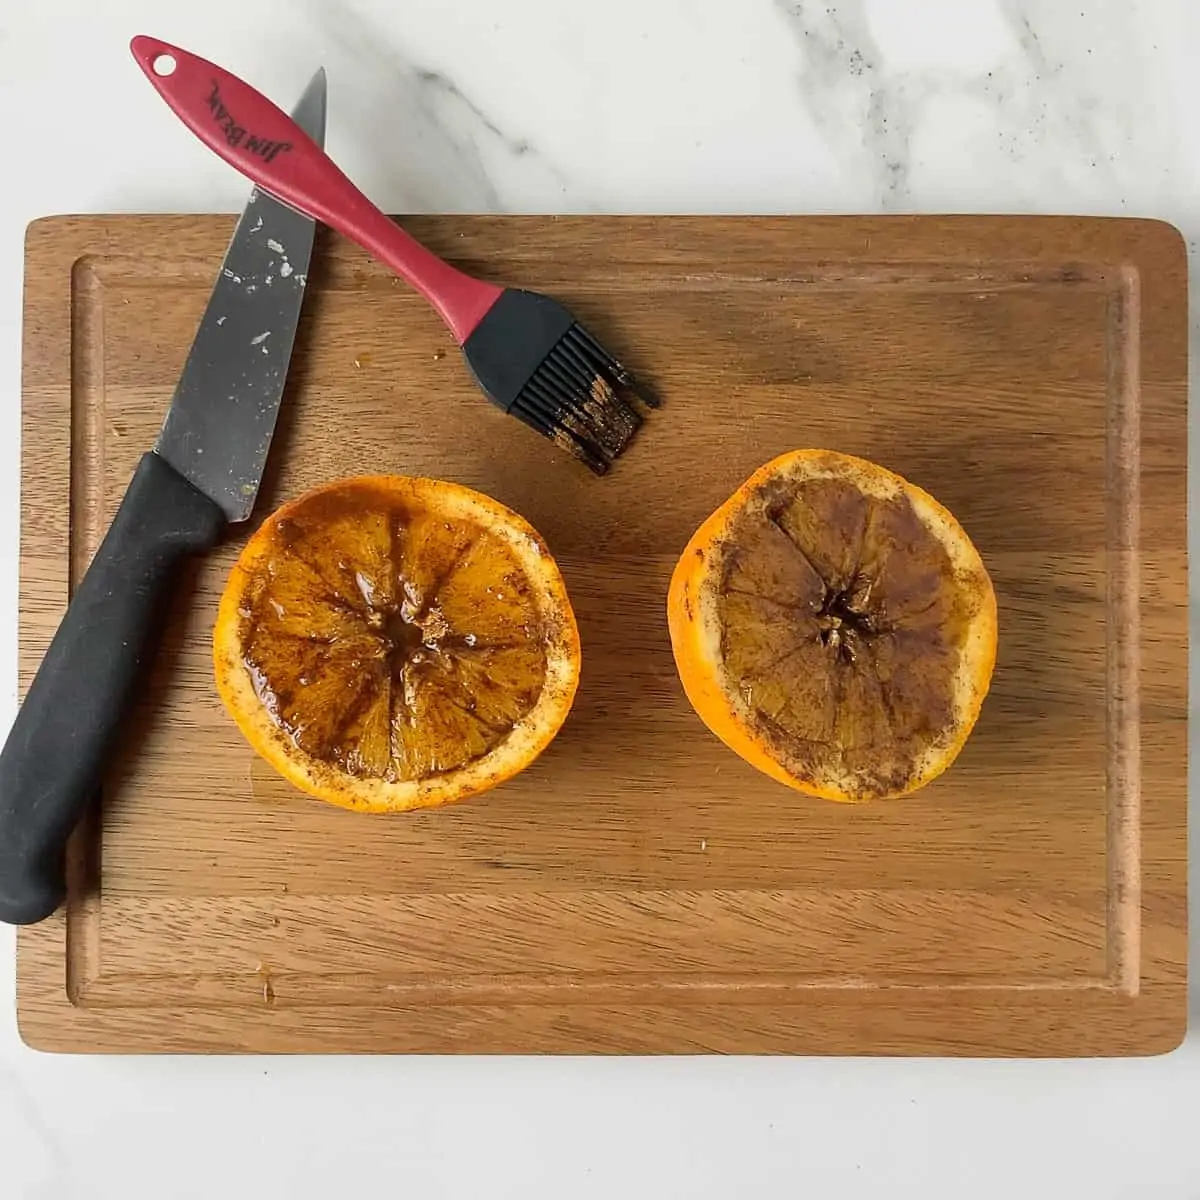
203, 474
218, 428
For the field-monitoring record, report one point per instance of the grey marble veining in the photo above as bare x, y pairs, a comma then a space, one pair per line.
863, 112
1039, 118
411, 132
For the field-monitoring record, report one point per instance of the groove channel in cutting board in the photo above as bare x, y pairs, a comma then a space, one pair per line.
639, 888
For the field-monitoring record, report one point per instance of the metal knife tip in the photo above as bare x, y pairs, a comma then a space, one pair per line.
309, 112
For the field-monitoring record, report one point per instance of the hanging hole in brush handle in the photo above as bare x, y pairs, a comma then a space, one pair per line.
258, 138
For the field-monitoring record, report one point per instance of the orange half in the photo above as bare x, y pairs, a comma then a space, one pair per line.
834, 625
389, 643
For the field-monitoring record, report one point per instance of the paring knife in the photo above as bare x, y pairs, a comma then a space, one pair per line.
203, 473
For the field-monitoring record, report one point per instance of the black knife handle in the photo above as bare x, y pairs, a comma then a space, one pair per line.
53, 762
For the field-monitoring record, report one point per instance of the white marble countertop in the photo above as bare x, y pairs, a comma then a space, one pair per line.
635, 105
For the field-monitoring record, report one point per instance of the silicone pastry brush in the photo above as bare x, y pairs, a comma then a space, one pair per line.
527, 352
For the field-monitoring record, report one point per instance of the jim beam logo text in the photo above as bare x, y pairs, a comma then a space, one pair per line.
237, 135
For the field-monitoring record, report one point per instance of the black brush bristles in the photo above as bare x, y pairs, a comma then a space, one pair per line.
535, 361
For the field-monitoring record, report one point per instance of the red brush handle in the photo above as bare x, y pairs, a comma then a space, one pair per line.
270, 149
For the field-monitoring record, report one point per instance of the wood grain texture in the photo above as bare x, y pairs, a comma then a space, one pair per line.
640, 889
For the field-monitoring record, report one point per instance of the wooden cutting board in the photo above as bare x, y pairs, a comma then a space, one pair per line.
640, 889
